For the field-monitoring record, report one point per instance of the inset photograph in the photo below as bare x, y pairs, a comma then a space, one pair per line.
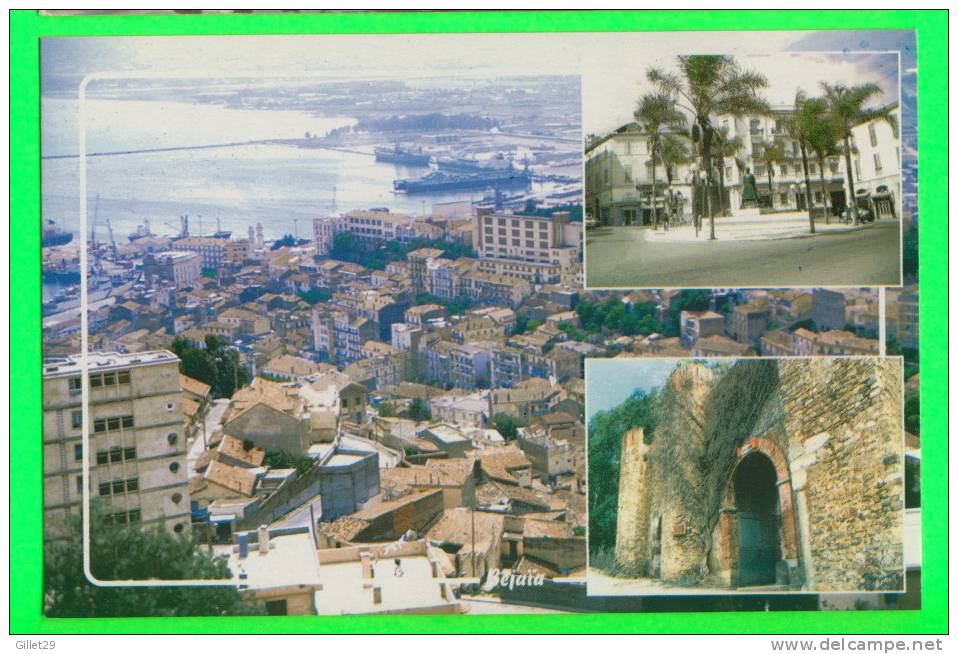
746, 476
772, 170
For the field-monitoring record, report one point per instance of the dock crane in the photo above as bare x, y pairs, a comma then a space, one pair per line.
109, 231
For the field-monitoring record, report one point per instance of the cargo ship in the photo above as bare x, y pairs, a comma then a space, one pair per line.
53, 235
402, 156
439, 181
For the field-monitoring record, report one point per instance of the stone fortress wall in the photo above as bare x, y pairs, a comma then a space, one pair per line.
785, 474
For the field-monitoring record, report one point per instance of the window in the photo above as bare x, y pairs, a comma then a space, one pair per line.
812, 169
105, 488
877, 162
116, 454
174, 467
134, 515
171, 437
109, 379
76, 419
79, 481
129, 453
628, 173
127, 422
78, 452
178, 528
96, 381
872, 135
177, 498
102, 458
123, 377
76, 385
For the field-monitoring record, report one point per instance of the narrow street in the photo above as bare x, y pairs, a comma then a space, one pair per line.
213, 416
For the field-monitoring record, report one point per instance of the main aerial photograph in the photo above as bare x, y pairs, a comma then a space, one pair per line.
315, 327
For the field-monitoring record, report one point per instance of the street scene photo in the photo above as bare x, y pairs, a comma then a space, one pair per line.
731, 171
749, 476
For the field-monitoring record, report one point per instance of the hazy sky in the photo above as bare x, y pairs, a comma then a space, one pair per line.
609, 97
609, 382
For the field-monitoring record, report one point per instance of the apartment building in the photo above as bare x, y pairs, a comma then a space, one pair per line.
618, 170
531, 248
215, 251
137, 440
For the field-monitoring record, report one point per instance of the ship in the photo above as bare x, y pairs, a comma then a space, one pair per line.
468, 165
141, 231
402, 156
53, 235
440, 181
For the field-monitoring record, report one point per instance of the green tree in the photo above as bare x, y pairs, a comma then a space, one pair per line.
606, 429
656, 114
419, 410
194, 362
507, 425
913, 413
708, 86
122, 552
770, 155
725, 147
848, 107
822, 140
277, 458
800, 127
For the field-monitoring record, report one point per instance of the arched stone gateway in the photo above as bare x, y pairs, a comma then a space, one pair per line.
756, 539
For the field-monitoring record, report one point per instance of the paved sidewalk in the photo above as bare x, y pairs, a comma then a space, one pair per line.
751, 228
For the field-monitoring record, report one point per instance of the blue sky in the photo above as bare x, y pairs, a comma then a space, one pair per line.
609, 382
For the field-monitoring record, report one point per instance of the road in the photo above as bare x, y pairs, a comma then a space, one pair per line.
620, 257
213, 416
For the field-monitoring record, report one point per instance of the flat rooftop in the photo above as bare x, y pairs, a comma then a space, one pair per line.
104, 361
291, 561
346, 592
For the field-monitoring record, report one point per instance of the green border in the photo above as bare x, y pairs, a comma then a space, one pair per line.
26, 560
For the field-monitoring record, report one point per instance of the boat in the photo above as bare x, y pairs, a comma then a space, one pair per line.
141, 231
440, 181
69, 298
399, 155
53, 235
468, 165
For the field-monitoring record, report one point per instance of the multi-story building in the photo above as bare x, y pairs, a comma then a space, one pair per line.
750, 320
531, 248
495, 289
339, 335
698, 324
907, 324
828, 309
180, 268
214, 251
369, 227
618, 170
136, 435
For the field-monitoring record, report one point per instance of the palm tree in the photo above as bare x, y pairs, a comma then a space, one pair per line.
674, 152
711, 85
847, 107
771, 154
822, 140
799, 126
657, 115
724, 146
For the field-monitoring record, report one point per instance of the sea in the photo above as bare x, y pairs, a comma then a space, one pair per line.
230, 188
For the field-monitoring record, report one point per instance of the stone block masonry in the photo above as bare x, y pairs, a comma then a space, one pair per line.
799, 487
